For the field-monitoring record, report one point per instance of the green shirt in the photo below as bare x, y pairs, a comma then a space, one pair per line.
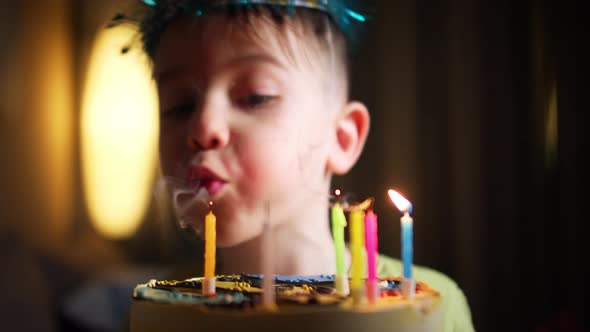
457, 316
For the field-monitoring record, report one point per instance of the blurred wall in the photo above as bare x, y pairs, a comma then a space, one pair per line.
37, 119
476, 117
36, 155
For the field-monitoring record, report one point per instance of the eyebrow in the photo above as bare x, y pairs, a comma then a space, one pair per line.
176, 71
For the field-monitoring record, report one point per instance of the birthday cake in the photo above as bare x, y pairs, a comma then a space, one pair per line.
300, 304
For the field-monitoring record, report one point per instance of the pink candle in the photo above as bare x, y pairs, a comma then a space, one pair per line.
372, 249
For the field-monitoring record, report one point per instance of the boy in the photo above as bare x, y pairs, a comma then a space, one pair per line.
255, 111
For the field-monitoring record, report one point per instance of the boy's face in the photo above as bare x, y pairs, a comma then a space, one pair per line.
246, 120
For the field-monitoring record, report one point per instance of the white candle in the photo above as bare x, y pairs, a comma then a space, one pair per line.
268, 287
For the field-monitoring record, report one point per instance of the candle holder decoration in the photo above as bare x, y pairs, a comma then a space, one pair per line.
405, 207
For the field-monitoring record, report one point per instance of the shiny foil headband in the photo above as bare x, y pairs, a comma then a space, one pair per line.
346, 14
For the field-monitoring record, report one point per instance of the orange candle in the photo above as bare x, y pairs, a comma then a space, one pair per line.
210, 246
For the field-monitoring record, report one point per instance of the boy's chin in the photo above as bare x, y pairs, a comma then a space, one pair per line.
228, 239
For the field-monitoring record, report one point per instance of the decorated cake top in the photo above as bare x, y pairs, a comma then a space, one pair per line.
244, 291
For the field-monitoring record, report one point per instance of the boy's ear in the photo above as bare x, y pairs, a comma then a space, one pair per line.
352, 128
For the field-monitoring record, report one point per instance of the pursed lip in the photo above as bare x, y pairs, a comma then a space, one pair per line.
203, 177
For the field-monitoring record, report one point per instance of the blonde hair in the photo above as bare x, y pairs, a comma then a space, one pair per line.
317, 40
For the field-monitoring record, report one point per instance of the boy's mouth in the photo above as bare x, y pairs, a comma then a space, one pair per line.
203, 177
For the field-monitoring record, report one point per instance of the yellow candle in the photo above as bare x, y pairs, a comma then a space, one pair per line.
210, 238
210, 235
357, 236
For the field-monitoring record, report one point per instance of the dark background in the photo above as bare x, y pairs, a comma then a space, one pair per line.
476, 118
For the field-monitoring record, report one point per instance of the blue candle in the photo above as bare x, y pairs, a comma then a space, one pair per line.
407, 245
408, 287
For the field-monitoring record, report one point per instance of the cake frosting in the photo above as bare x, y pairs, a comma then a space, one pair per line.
303, 303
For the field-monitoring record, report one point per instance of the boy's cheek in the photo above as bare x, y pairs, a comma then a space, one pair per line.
266, 169
171, 156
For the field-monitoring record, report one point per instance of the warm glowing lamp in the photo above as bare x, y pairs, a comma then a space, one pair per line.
119, 130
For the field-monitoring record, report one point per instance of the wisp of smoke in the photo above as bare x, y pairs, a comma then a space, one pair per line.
174, 189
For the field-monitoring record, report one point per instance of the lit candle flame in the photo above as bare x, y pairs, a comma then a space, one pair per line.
400, 201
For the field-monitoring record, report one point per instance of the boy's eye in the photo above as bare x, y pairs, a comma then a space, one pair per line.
252, 101
178, 112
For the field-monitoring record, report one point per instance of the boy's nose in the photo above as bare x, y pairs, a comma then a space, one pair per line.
208, 131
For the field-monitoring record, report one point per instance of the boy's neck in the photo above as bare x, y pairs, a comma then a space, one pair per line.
299, 248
